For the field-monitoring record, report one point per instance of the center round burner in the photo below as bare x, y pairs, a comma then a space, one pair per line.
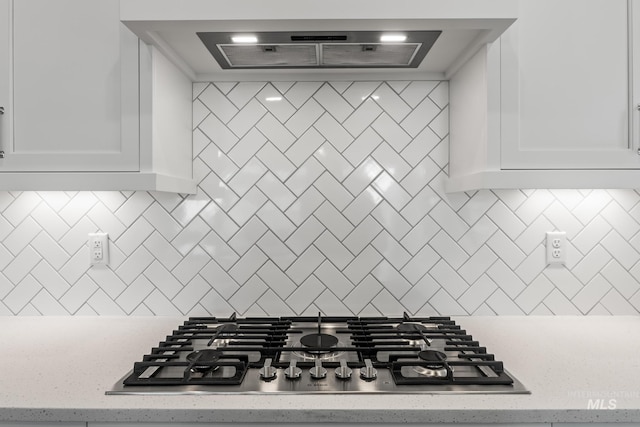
411, 327
414, 333
204, 359
434, 364
315, 341
435, 359
311, 352
424, 371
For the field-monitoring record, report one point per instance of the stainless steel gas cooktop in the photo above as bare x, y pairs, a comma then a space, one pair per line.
298, 355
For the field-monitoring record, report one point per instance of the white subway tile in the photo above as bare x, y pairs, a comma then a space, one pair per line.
302, 120
191, 264
215, 101
246, 178
135, 294
308, 142
391, 279
218, 191
333, 161
248, 265
333, 250
247, 146
277, 105
333, 220
22, 235
162, 250
275, 191
358, 92
305, 235
300, 92
362, 294
276, 280
416, 91
421, 115
214, 275
273, 305
304, 265
243, 93
386, 303
248, 205
333, 132
362, 118
276, 221
191, 294
333, 103
22, 294
275, 161
333, 279
302, 297
277, 251
163, 280
20, 207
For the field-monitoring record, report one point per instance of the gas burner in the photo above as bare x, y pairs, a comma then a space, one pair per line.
414, 333
313, 354
317, 341
411, 327
435, 359
425, 371
434, 366
207, 357
224, 329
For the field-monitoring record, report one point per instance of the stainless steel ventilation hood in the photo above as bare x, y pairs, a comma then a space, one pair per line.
294, 39
319, 49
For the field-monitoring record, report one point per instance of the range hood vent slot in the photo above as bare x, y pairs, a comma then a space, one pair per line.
318, 38
355, 49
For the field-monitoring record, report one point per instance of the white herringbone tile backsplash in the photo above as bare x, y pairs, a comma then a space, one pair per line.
320, 197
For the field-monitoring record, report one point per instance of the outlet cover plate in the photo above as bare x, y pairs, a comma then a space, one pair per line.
556, 247
98, 248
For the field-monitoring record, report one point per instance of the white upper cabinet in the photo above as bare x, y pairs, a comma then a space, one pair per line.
559, 92
70, 84
573, 86
75, 88
5, 73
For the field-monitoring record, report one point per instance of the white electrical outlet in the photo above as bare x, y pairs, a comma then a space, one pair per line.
556, 247
99, 248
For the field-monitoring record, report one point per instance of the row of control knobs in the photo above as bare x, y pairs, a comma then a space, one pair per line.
292, 372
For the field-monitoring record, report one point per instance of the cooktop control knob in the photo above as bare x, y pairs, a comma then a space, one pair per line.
318, 371
292, 372
267, 372
343, 371
368, 372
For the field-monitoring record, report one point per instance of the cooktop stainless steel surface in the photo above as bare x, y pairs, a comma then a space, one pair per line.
299, 355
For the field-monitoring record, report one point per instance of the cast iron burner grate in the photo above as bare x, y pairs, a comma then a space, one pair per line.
368, 355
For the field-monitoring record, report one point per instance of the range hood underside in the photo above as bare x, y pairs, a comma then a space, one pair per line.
172, 28
320, 49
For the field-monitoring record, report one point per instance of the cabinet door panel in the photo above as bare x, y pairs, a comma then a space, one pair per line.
5, 72
572, 92
75, 92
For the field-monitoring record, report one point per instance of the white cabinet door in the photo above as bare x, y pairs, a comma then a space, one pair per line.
567, 86
5, 82
74, 75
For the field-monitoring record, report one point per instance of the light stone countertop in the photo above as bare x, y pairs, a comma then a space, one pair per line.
58, 369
